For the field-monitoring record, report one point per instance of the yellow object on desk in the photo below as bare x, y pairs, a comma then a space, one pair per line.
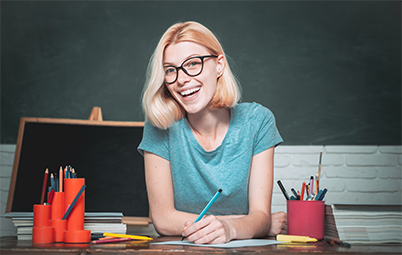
295, 239
130, 236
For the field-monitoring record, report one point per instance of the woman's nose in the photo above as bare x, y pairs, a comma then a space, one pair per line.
182, 77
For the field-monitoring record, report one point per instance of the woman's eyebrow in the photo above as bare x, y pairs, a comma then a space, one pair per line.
165, 63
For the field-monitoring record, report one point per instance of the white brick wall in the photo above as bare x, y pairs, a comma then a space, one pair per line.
6, 166
352, 174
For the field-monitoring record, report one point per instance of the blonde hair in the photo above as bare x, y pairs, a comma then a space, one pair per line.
160, 108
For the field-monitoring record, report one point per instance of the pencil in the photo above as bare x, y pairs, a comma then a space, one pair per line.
51, 196
128, 236
42, 199
113, 240
206, 208
73, 203
61, 179
319, 172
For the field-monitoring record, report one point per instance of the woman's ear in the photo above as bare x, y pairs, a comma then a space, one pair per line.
220, 65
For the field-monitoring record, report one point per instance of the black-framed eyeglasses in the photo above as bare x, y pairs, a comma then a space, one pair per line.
192, 67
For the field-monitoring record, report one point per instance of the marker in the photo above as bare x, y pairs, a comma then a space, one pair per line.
318, 195
295, 193
295, 239
302, 190
206, 208
128, 236
283, 190
322, 194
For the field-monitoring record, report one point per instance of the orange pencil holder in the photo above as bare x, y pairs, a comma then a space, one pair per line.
42, 231
75, 232
57, 212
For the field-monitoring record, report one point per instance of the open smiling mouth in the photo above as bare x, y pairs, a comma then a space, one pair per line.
190, 92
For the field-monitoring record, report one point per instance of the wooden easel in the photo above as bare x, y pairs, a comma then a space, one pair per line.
96, 114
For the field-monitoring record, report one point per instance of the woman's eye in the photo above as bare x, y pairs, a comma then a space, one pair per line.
169, 70
192, 64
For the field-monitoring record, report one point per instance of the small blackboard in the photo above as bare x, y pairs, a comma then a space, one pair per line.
103, 152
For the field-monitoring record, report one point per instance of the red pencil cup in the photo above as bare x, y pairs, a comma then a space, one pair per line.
306, 218
42, 231
58, 208
75, 232
57, 213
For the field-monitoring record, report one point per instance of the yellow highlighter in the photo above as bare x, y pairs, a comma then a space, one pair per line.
295, 239
129, 236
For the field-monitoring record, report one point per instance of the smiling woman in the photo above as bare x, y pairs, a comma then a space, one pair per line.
197, 140
160, 108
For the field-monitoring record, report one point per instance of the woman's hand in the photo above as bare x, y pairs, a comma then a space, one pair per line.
209, 230
279, 224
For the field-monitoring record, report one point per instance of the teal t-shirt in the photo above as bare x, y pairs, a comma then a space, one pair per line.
197, 174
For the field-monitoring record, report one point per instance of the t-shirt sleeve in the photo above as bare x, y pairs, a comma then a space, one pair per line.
154, 140
267, 134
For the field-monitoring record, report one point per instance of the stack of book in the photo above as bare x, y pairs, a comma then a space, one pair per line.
97, 223
364, 223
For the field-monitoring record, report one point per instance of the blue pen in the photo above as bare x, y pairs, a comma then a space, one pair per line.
206, 208
323, 194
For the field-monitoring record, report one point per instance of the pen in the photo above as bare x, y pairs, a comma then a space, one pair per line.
316, 184
283, 190
311, 184
339, 242
128, 236
206, 208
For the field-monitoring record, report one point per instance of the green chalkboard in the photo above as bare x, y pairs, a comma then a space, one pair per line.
329, 70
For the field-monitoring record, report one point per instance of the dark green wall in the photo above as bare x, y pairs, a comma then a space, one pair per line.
330, 71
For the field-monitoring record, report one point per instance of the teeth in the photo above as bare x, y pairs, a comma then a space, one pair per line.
189, 91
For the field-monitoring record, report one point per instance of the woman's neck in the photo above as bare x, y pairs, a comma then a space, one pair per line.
210, 127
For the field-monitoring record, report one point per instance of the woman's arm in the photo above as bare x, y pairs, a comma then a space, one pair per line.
256, 223
166, 219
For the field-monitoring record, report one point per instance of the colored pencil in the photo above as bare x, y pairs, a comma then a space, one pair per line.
51, 195
129, 236
61, 179
113, 240
73, 203
42, 199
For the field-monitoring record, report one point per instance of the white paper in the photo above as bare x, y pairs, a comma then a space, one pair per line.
231, 244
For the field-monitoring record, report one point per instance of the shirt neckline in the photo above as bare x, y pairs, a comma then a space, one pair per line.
190, 134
